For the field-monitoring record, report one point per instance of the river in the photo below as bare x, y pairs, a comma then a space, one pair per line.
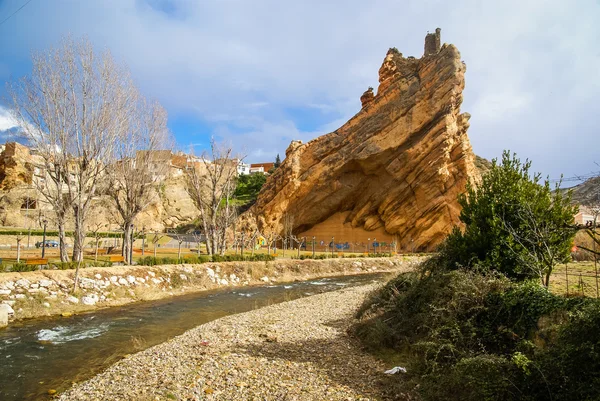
42, 354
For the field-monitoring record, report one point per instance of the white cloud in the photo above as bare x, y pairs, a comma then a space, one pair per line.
7, 122
502, 104
532, 79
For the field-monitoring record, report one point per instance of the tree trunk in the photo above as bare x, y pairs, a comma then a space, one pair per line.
19, 250
126, 249
78, 234
96, 249
179, 253
62, 241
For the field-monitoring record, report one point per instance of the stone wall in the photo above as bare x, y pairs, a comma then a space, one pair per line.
50, 292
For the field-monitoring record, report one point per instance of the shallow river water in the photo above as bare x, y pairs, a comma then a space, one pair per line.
42, 354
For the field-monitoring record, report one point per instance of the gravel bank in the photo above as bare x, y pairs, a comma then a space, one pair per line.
296, 350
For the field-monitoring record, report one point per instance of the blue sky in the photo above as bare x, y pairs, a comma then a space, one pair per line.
260, 73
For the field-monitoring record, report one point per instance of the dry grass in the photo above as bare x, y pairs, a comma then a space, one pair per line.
581, 279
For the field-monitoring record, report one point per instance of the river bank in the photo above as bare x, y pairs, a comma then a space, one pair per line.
50, 292
297, 350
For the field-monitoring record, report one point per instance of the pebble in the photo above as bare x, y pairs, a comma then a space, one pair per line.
297, 350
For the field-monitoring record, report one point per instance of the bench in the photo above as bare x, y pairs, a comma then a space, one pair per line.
38, 261
116, 259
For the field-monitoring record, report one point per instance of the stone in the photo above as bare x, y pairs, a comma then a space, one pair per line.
9, 302
393, 172
33, 290
98, 276
34, 285
46, 305
3, 318
156, 281
183, 277
122, 281
87, 283
265, 279
140, 280
72, 299
90, 299
114, 279
210, 272
223, 282
131, 279
9, 310
20, 296
46, 283
151, 274
5, 292
23, 283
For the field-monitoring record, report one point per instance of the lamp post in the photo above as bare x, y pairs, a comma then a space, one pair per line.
143, 239
44, 238
332, 245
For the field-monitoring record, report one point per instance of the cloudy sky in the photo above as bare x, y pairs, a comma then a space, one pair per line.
260, 73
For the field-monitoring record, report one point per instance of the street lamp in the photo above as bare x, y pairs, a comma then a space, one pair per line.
44, 239
143, 239
332, 245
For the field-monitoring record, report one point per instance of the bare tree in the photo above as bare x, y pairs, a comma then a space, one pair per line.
155, 240
211, 183
143, 159
180, 239
96, 232
19, 238
73, 109
539, 244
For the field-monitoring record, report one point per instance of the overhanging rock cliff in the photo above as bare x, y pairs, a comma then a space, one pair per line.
398, 165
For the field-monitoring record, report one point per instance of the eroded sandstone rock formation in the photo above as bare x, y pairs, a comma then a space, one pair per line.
398, 165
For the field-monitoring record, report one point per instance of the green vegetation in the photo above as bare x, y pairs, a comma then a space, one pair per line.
152, 261
512, 224
477, 321
467, 336
50, 234
248, 187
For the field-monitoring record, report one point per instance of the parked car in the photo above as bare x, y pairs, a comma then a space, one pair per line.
47, 244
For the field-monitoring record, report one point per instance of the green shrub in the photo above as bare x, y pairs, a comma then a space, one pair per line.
23, 267
512, 224
467, 336
194, 259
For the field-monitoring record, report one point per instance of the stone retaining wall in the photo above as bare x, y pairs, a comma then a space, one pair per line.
50, 292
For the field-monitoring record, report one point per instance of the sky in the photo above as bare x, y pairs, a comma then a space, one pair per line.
261, 73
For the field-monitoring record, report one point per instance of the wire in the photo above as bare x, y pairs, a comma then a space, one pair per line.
20, 8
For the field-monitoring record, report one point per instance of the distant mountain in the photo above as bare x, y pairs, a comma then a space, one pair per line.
587, 191
482, 164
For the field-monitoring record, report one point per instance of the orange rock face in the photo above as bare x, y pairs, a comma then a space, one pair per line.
398, 165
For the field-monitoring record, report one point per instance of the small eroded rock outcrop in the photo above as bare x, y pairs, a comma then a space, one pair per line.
398, 165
